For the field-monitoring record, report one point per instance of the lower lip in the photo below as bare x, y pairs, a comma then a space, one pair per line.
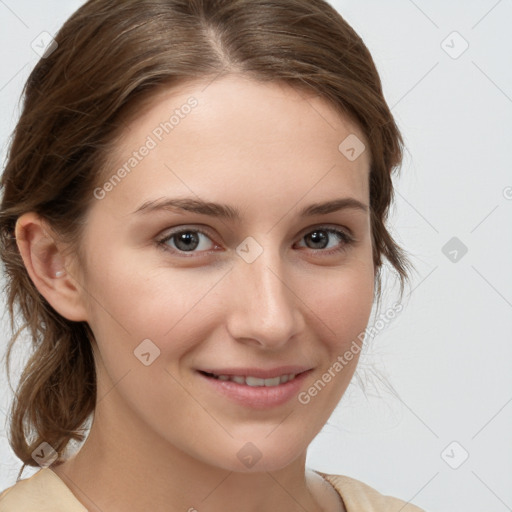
257, 397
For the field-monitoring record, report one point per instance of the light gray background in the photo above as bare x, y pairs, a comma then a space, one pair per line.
448, 354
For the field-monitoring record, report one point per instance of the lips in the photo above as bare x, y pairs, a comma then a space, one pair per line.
249, 391
250, 380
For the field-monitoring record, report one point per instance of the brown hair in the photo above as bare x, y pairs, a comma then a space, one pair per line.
112, 56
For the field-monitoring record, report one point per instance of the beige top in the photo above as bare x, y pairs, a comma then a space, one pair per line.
46, 492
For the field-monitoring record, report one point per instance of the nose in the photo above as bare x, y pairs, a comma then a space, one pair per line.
264, 310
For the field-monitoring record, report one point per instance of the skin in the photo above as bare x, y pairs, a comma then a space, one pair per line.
160, 434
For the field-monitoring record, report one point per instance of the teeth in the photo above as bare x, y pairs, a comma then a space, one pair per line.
255, 381
271, 382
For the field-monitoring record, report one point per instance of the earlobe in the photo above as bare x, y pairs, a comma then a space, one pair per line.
48, 267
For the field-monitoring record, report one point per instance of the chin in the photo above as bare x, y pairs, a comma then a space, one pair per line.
258, 456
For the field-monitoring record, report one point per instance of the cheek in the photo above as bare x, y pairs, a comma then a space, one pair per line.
144, 298
340, 312
342, 300
134, 303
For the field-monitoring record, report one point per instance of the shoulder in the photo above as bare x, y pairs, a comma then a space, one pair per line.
360, 497
42, 492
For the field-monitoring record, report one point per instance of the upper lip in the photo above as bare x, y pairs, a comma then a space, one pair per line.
260, 373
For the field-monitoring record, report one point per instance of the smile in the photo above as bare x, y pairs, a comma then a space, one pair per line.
262, 392
254, 381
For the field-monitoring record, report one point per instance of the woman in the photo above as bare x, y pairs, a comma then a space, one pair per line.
193, 228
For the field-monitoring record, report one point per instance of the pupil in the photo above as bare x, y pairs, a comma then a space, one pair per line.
319, 237
188, 239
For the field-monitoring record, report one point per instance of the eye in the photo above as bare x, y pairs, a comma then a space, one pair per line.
328, 240
187, 240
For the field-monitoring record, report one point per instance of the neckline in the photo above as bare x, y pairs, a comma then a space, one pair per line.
325, 477
62, 483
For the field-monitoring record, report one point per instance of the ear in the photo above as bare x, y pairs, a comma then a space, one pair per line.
48, 267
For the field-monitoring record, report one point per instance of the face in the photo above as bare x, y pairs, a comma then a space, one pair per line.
268, 284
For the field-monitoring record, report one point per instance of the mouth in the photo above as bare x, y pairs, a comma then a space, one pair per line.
256, 391
249, 380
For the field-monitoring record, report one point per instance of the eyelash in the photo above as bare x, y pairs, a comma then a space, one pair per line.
346, 239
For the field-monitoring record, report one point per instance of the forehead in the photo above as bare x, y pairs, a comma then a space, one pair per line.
233, 135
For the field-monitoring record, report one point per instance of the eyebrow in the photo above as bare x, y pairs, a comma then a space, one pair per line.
230, 213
